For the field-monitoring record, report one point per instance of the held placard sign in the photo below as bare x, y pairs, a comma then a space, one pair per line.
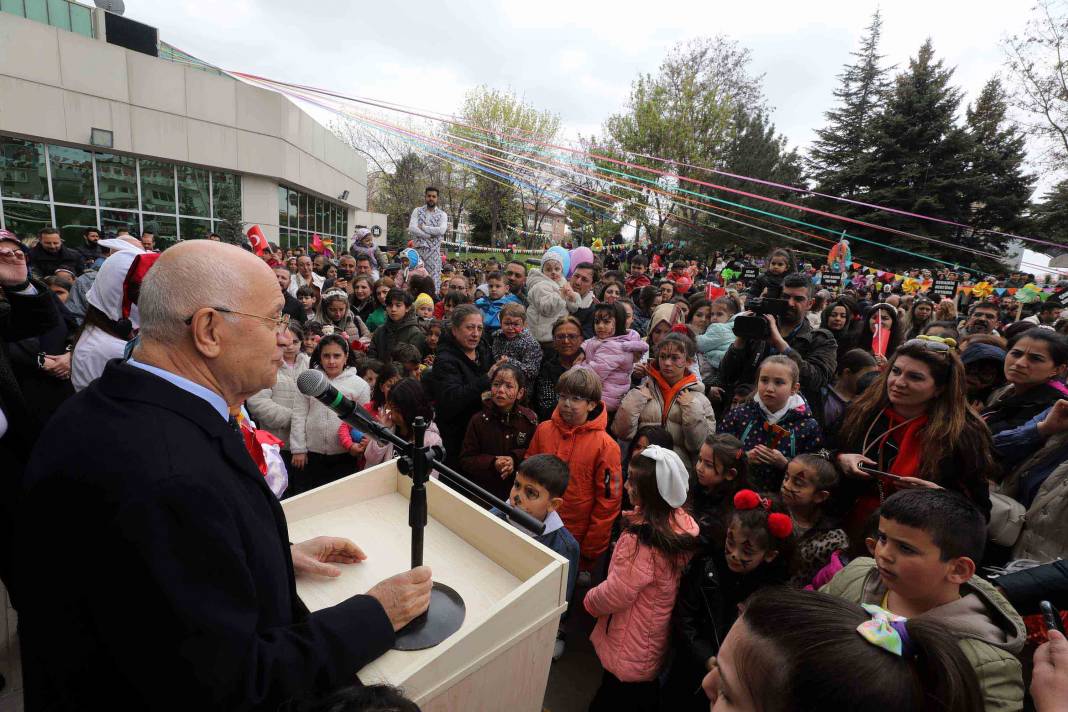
944, 287
831, 280
749, 274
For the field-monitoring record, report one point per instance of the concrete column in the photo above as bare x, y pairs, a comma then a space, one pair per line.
259, 204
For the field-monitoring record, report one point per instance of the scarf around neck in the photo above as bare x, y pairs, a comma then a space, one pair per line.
793, 402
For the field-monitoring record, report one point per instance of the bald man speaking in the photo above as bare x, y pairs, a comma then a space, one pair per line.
157, 568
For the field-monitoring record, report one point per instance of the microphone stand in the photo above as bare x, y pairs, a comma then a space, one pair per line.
446, 611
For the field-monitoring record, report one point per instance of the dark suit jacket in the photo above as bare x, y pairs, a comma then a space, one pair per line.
157, 567
293, 308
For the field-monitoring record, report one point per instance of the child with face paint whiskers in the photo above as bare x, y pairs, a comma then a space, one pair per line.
758, 546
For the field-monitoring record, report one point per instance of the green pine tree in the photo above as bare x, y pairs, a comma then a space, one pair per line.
1001, 189
919, 163
1049, 217
837, 156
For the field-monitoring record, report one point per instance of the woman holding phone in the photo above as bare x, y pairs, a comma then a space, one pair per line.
914, 423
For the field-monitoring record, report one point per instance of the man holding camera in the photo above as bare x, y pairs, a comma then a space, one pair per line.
790, 332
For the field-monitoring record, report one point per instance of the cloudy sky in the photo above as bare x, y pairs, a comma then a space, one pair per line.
574, 57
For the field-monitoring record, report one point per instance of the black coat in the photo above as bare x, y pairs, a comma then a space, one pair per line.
44, 263
1011, 409
456, 384
159, 575
293, 308
705, 609
816, 347
21, 317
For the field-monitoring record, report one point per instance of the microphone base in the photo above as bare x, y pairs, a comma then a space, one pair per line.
443, 617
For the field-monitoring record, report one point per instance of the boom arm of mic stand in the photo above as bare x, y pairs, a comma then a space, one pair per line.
359, 418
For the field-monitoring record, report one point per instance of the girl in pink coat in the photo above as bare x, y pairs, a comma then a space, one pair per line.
612, 352
633, 605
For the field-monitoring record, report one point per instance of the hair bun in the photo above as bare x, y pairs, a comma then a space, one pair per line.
746, 499
780, 525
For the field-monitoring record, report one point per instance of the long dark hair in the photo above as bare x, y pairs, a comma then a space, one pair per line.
952, 426
826, 315
803, 644
864, 338
409, 399
337, 340
656, 528
644, 299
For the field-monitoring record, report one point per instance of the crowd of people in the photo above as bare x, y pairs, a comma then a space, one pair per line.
772, 495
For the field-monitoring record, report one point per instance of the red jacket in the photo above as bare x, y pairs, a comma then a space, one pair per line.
636, 281
594, 492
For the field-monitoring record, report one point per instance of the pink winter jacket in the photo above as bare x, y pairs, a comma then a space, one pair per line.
613, 360
633, 606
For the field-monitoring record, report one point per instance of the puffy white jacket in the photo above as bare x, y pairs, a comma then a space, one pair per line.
272, 408
314, 426
545, 305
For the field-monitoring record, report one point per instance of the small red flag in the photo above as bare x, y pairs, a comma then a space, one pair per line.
257, 239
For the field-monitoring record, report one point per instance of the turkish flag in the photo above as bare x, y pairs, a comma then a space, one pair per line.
257, 239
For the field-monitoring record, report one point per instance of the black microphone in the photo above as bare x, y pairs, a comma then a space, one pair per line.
315, 384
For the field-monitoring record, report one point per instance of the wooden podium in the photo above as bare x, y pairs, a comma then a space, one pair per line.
514, 589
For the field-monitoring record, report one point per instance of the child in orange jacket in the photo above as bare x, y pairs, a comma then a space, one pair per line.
576, 434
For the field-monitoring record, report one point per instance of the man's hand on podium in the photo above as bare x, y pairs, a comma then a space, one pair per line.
404, 596
317, 556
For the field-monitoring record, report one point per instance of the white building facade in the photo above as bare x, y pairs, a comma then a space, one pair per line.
93, 134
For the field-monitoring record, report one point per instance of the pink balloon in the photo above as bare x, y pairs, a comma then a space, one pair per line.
580, 255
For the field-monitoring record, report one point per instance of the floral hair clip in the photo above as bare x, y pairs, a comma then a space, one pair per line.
780, 525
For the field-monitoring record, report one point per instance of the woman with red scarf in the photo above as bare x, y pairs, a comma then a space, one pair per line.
914, 423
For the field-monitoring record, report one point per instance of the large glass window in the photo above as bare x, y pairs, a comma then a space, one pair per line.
15, 7
302, 212
116, 179
59, 14
194, 192
22, 169
115, 220
72, 175
81, 20
37, 11
25, 219
157, 187
283, 208
176, 200
72, 221
193, 228
226, 193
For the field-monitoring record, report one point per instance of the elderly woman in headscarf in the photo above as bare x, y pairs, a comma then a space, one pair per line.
109, 321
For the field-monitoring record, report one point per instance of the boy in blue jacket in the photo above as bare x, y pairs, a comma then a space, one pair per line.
499, 295
538, 490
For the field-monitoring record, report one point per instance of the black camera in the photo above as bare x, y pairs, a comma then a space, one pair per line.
756, 326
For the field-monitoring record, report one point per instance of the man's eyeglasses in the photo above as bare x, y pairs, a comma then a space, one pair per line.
280, 323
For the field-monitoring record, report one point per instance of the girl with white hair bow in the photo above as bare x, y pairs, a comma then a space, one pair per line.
658, 539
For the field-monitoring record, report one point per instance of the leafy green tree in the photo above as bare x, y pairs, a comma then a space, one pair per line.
755, 149
509, 132
686, 113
